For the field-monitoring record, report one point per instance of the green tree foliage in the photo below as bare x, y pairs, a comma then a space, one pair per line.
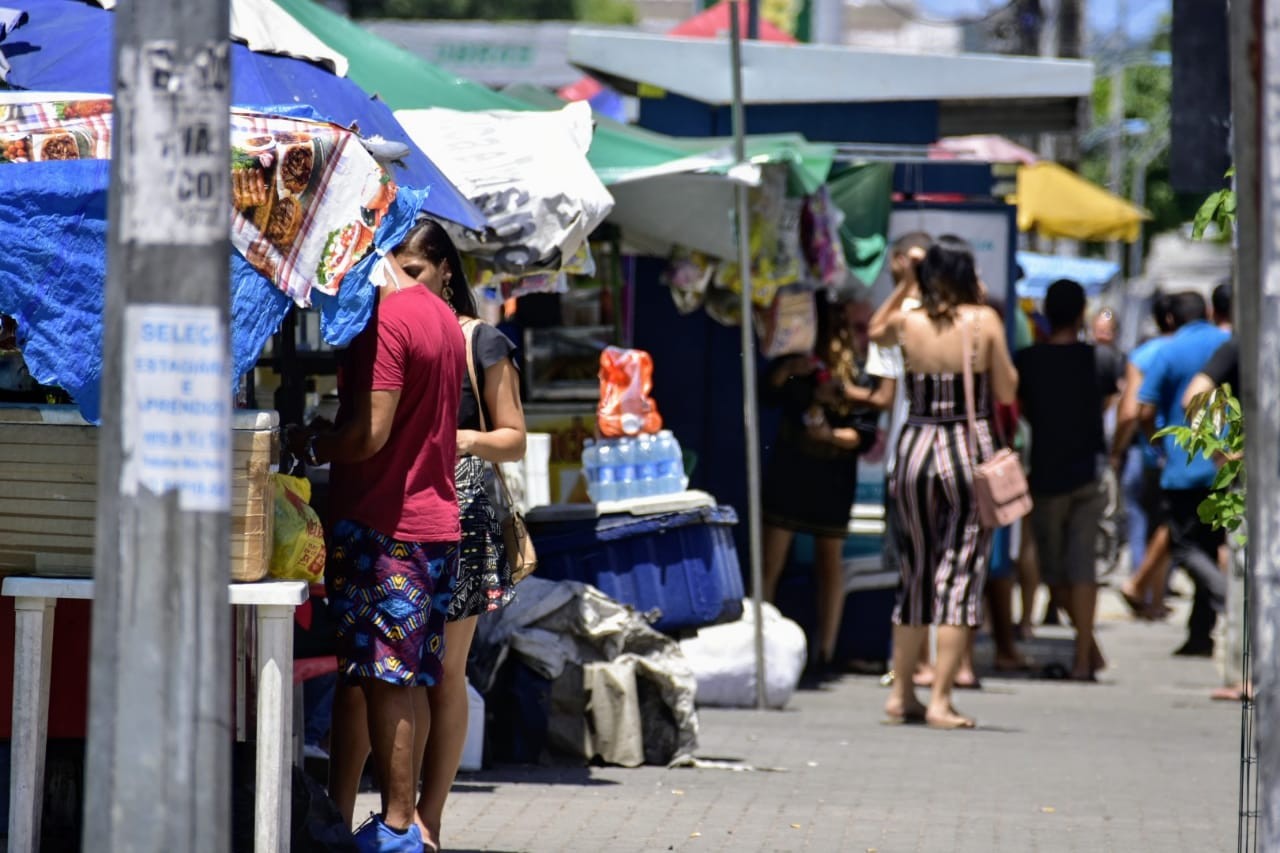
593, 11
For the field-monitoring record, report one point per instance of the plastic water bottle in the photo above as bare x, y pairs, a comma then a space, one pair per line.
647, 466
590, 463
604, 481
670, 464
626, 469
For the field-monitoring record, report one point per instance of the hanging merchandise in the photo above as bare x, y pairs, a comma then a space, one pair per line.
688, 274
776, 257
626, 384
820, 237
723, 306
790, 325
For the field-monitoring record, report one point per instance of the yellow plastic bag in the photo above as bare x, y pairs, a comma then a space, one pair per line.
297, 546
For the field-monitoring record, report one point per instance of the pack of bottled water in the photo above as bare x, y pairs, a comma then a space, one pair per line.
619, 469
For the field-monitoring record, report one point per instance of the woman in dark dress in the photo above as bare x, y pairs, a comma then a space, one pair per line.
828, 420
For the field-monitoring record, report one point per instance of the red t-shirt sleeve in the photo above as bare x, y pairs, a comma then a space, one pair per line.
391, 356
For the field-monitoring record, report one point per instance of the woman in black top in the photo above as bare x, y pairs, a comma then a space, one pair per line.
812, 477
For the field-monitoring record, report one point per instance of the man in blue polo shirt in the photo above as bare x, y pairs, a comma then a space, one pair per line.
1186, 480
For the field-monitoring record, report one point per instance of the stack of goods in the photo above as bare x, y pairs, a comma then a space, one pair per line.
624, 468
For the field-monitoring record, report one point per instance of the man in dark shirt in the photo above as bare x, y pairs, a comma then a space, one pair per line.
1063, 389
1222, 371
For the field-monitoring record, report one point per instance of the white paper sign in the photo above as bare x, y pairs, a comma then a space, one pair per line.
177, 405
175, 171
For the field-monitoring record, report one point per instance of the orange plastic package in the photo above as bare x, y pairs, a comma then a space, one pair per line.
626, 380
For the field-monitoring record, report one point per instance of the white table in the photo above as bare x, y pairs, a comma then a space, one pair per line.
34, 600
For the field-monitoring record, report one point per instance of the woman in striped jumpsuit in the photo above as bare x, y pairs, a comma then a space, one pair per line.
943, 546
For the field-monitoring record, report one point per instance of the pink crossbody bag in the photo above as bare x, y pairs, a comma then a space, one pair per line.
999, 484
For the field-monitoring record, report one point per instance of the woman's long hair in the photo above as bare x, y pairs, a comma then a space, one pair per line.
429, 240
835, 345
948, 278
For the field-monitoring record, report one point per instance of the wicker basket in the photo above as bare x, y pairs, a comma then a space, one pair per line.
49, 492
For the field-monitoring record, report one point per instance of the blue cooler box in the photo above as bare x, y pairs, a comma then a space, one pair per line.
684, 565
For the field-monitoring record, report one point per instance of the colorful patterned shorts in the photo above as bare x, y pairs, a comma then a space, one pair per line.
389, 600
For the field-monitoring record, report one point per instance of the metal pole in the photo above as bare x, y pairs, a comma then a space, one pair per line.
753, 19
1139, 179
1255, 88
749, 406
1115, 123
159, 741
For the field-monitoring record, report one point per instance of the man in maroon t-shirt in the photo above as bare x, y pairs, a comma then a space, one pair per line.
393, 537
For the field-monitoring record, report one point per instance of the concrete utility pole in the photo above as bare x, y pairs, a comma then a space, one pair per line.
1255, 103
158, 765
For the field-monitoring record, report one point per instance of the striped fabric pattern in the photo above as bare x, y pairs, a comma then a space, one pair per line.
942, 546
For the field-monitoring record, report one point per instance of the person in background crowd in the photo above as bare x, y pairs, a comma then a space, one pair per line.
907, 251
1139, 464
484, 581
484, 574
1223, 371
1104, 328
830, 412
1221, 301
943, 547
393, 543
1186, 480
1063, 388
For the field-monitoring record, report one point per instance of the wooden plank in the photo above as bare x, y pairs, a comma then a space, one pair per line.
12, 540
48, 509
49, 434
251, 525
38, 491
22, 472
49, 454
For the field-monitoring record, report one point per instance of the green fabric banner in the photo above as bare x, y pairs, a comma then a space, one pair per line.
864, 193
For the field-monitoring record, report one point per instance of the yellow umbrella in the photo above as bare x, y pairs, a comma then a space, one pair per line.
1057, 202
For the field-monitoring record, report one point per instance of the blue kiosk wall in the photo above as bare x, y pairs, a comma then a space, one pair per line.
697, 383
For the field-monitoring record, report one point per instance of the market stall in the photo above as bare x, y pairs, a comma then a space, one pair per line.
313, 204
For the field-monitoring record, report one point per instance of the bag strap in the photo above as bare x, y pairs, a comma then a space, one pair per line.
469, 329
968, 354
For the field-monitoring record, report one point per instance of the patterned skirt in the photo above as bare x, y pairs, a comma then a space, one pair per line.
389, 600
484, 576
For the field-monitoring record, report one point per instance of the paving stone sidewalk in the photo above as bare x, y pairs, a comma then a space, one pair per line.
1140, 762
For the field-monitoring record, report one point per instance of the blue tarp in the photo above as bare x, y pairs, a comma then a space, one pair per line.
53, 215
1040, 271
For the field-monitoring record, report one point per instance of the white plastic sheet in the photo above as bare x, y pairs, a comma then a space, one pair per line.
527, 171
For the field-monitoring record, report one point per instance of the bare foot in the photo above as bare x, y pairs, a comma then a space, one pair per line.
1012, 663
923, 677
967, 680
912, 711
1097, 662
948, 719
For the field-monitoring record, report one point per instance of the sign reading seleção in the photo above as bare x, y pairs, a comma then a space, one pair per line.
177, 405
